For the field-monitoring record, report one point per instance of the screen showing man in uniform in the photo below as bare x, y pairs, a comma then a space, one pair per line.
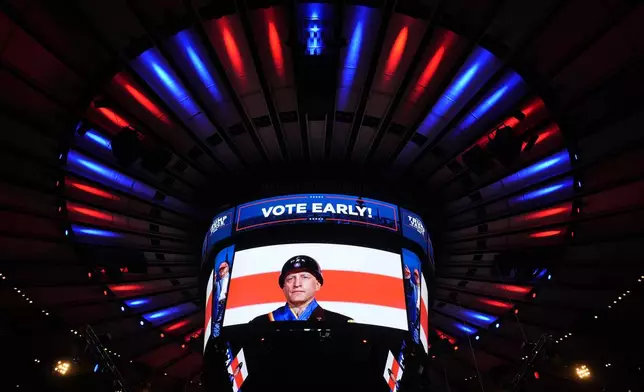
411, 274
329, 283
222, 266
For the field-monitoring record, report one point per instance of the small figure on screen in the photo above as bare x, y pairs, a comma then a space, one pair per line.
221, 290
300, 280
412, 291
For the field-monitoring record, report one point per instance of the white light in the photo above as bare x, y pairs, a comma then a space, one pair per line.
141, 322
549, 277
47, 314
576, 156
619, 298
610, 307
614, 302
31, 302
596, 317
122, 309
17, 289
628, 291
477, 337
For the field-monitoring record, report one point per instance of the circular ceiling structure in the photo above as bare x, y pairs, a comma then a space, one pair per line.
512, 128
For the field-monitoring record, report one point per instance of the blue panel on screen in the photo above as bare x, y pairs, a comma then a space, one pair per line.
220, 228
318, 208
414, 228
223, 264
412, 279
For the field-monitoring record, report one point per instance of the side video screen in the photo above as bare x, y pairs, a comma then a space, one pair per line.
316, 282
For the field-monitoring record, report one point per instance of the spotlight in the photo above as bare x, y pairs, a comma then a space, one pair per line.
549, 277
62, 367
141, 322
122, 309
582, 372
596, 317
477, 337
497, 325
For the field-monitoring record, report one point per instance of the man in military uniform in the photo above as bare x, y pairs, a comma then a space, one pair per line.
412, 292
300, 280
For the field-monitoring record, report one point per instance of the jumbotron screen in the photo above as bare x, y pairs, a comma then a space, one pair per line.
335, 259
316, 281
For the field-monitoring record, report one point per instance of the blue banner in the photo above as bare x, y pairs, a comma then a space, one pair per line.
220, 228
339, 209
414, 228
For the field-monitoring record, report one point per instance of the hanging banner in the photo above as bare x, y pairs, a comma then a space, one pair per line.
338, 209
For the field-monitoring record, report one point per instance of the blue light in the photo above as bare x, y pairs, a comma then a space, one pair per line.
96, 368
186, 42
457, 87
542, 273
478, 316
98, 139
555, 160
313, 28
79, 230
542, 192
133, 303
151, 60
160, 314
466, 329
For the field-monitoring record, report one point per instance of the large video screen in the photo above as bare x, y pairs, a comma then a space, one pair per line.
339, 209
325, 282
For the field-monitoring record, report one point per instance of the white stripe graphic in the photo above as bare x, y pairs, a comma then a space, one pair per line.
424, 293
329, 256
208, 326
384, 316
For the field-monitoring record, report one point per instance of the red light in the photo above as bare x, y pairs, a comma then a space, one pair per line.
104, 292
543, 234
542, 136
514, 289
93, 191
536, 375
141, 98
177, 325
396, 52
183, 346
548, 212
126, 287
89, 275
427, 74
536, 104
495, 303
162, 336
443, 335
113, 117
231, 48
90, 212
455, 348
516, 311
534, 295
276, 46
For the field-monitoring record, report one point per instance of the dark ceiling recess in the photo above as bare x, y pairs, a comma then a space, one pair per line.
514, 127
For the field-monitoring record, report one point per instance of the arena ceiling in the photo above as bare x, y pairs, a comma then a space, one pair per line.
513, 127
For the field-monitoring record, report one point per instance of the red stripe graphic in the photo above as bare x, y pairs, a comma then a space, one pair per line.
239, 377
339, 286
424, 319
394, 375
208, 312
